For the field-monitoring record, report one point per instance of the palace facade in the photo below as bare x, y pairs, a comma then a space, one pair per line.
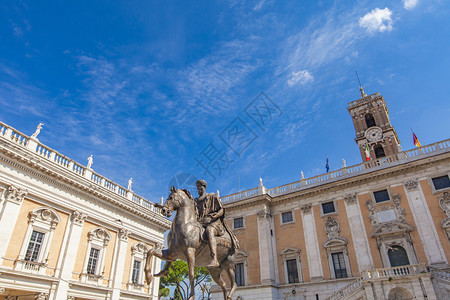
67, 232
376, 230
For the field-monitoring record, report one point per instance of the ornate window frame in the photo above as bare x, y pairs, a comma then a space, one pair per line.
372, 195
335, 212
292, 214
138, 253
288, 254
444, 203
335, 244
98, 238
433, 189
44, 220
391, 232
243, 223
242, 257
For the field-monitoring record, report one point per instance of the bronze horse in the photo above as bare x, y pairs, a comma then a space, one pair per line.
185, 242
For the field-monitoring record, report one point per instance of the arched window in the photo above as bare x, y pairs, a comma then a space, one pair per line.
379, 151
398, 256
370, 121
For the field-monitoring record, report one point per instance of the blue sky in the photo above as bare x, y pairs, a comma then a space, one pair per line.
151, 88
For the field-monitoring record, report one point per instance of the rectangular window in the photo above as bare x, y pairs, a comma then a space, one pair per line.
291, 265
339, 265
238, 223
240, 274
441, 182
286, 217
136, 271
34, 246
328, 207
93, 260
381, 196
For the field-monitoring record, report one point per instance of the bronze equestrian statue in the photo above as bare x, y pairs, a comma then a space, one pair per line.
198, 236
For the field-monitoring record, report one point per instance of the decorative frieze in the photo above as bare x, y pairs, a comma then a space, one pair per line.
350, 198
264, 213
306, 208
444, 203
78, 217
159, 246
41, 296
332, 227
411, 185
16, 194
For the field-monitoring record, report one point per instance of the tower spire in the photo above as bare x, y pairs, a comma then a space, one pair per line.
361, 88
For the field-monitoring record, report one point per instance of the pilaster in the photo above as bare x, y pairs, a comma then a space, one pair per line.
424, 223
312, 244
67, 262
8, 217
120, 262
266, 259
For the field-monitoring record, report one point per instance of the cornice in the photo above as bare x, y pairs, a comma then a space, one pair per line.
31, 163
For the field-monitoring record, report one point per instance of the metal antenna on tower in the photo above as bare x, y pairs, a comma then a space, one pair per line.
361, 88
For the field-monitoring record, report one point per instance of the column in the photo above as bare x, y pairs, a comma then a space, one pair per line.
67, 261
8, 216
312, 244
424, 223
266, 259
358, 232
120, 263
154, 286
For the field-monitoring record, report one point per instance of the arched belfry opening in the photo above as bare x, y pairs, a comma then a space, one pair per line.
379, 151
370, 121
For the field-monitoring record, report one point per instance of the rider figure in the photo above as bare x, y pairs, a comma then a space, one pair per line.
209, 214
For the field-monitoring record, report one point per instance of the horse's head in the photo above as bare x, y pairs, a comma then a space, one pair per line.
176, 199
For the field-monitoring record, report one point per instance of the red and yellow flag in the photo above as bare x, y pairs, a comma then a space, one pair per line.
416, 140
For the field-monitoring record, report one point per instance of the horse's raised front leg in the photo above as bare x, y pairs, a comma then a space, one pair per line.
191, 264
161, 254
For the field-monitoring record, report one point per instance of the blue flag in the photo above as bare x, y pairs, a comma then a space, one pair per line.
327, 166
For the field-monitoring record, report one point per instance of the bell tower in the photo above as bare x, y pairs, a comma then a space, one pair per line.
372, 126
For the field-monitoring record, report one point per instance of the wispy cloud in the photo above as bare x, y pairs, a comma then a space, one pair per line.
410, 4
300, 77
377, 20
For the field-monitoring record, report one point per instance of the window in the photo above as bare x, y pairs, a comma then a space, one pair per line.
379, 151
370, 121
238, 223
398, 256
136, 271
381, 196
34, 246
286, 217
239, 276
93, 261
328, 207
441, 182
35, 249
340, 271
291, 266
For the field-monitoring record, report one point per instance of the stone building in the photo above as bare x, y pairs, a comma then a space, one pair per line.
67, 232
376, 230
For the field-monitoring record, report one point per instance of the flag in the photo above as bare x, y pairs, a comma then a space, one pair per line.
366, 151
327, 166
416, 140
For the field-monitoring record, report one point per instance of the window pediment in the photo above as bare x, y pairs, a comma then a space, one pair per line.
335, 242
100, 235
44, 215
392, 227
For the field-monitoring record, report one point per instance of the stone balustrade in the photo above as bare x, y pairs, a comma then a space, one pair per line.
394, 272
12, 135
350, 171
347, 290
441, 274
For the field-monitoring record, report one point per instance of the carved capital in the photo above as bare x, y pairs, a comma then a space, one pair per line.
306, 208
159, 246
70, 298
264, 213
332, 227
16, 194
2, 291
41, 296
411, 185
78, 217
123, 234
350, 198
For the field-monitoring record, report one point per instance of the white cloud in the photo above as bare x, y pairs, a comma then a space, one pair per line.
300, 77
410, 4
377, 20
